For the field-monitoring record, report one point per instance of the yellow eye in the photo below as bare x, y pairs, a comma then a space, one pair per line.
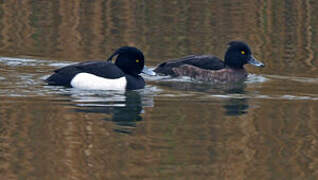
243, 52
137, 60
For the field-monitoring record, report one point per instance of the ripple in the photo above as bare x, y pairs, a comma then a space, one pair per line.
59, 64
168, 78
263, 96
296, 79
256, 78
12, 61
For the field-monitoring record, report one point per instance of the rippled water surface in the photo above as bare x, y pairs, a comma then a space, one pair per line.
264, 128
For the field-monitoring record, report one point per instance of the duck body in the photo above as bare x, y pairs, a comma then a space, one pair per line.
211, 68
104, 75
96, 75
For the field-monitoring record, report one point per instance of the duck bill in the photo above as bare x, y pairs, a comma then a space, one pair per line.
147, 71
255, 62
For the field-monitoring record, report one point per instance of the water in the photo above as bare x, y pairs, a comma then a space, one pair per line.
265, 128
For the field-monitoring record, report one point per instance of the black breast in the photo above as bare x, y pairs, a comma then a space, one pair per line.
208, 62
134, 82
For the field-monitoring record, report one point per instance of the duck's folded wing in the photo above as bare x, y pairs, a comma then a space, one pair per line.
98, 68
208, 62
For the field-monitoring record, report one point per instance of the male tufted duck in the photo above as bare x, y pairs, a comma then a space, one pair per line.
210, 68
99, 75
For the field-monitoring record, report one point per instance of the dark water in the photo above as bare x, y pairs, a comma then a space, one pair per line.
265, 128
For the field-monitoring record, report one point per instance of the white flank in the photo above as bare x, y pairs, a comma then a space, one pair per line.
93, 82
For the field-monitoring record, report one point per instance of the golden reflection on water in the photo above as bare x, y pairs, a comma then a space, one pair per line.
180, 137
51, 141
280, 33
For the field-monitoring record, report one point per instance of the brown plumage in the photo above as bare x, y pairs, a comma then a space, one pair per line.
219, 76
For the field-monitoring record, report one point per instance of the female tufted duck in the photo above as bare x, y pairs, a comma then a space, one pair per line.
99, 75
210, 68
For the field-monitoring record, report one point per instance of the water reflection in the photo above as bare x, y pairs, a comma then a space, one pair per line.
124, 108
186, 84
235, 106
67, 30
